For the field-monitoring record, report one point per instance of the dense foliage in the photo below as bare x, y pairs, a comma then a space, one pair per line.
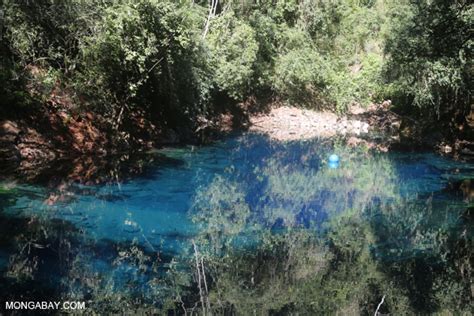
430, 56
179, 60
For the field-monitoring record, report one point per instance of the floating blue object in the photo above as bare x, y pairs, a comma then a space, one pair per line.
334, 158
333, 161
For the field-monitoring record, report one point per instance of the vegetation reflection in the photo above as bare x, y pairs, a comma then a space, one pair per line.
278, 238
272, 255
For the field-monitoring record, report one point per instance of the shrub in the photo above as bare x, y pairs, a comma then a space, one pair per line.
430, 50
300, 70
147, 53
233, 53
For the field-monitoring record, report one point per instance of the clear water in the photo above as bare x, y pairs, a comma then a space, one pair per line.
270, 227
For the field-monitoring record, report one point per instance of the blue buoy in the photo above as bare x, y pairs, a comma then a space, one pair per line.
333, 161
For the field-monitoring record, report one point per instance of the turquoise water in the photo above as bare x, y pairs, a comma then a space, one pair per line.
275, 230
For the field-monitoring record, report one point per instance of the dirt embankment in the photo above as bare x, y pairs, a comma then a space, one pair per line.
52, 123
33, 142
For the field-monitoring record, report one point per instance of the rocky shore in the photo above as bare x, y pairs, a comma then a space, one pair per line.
374, 127
290, 123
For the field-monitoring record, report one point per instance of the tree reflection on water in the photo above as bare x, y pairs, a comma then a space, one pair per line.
286, 236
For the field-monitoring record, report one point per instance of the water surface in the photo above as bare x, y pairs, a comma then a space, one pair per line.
248, 226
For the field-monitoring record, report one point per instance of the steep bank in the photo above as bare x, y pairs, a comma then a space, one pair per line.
32, 141
36, 139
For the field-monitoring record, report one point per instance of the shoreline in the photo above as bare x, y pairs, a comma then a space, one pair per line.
30, 148
374, 127
290, 123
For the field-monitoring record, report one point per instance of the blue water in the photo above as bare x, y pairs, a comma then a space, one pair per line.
242, 188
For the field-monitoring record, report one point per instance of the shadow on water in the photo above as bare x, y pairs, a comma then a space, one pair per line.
247, 226
89, 170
